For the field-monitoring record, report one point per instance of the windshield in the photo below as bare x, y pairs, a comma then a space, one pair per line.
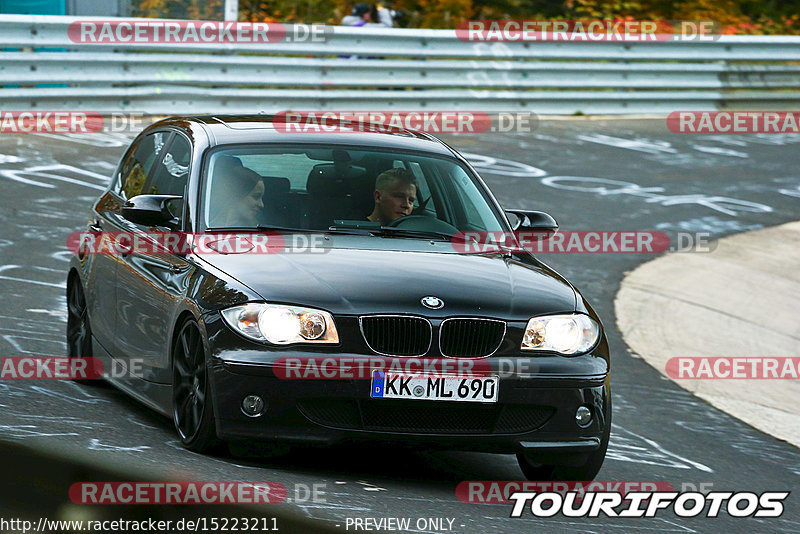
317, 188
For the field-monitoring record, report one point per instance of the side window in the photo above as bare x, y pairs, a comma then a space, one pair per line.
172, 171
470, 198
137, 164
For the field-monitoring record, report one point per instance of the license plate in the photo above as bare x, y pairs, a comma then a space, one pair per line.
449, 388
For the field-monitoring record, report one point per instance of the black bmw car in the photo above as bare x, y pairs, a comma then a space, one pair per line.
243, 342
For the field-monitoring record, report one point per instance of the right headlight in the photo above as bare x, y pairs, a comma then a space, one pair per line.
565, 334
281, 324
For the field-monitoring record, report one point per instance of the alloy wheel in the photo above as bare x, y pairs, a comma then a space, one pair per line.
188, 382
79, 332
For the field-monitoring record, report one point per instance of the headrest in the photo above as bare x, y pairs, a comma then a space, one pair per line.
334, 178
325, 180
276, 185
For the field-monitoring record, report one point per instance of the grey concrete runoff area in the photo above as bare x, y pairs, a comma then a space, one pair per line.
603, 174
742, 300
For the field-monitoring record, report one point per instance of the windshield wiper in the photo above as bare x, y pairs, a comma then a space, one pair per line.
264, 228
261, 228
373, 228
391, 231
384, 231
461, 237
348, 230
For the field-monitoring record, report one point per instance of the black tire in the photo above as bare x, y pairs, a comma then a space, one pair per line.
585, 471
192, 404
79, 328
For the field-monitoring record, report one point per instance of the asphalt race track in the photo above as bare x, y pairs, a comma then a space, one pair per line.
660, 432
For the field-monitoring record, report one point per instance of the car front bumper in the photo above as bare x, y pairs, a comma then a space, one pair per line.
535, 411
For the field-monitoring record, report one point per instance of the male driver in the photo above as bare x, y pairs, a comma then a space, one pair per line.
395, 193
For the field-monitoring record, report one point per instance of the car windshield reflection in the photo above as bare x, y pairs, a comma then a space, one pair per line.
342, 190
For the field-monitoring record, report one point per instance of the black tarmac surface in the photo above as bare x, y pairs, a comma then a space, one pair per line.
624, 175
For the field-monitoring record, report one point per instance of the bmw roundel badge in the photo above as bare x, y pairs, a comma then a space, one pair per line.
433, 303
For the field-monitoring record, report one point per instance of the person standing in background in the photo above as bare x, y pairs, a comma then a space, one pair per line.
368, 16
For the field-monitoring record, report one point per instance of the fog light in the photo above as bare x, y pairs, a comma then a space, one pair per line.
583, 416
253, 405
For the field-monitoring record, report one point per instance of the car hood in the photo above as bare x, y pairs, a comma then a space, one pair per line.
354, 282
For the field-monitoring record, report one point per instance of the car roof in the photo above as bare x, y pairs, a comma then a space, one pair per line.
234, 129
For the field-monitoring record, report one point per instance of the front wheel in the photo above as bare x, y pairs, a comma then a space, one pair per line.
79, 330
192, 405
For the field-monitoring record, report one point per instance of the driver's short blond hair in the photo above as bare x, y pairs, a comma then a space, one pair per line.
403, 176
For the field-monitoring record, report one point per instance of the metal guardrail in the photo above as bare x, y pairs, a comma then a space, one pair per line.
401, 69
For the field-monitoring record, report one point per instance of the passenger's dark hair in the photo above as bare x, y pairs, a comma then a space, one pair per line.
241, 181
373, 14
360, 8
231, 184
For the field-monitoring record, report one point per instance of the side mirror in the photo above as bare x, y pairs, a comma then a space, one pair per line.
152, 210
538, 221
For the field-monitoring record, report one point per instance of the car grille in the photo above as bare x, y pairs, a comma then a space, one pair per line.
414, 417
470, 338
397, 335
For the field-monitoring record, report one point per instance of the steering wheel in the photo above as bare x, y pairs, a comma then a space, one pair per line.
423, 223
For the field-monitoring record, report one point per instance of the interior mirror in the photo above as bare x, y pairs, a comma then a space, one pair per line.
154, 210
532, 220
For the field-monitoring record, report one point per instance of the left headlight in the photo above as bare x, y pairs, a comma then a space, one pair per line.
565, 334
282, 325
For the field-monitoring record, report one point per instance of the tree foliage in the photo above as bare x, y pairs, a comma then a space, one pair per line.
178, 9
734, 16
